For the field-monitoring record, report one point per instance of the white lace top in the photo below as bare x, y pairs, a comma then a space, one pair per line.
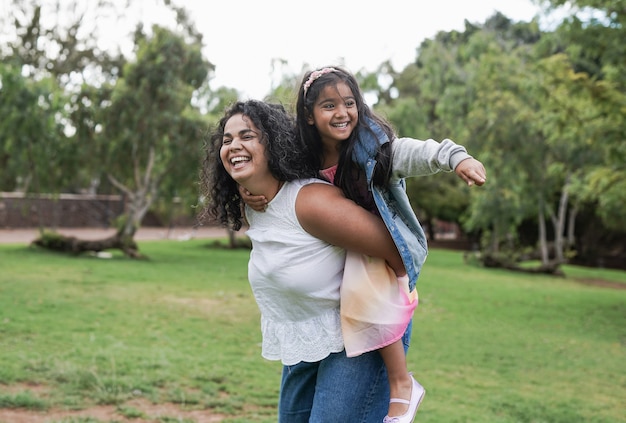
295, 279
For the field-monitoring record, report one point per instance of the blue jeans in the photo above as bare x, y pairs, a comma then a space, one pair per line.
336, 389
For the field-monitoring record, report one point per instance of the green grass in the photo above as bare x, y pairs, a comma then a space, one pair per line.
183, 328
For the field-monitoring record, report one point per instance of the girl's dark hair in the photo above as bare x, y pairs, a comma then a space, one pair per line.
287, 159
349, 175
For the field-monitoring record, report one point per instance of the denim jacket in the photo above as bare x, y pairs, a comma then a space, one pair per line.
410, 157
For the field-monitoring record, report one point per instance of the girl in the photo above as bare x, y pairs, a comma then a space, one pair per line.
295, 267
359, 152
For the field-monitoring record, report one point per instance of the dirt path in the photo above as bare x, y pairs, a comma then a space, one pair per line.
26, 236
150, 413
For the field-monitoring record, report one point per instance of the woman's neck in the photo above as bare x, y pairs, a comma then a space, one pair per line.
268, 189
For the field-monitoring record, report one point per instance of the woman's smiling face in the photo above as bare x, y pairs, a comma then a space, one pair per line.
242, 153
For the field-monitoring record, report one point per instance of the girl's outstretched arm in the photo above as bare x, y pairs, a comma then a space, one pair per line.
412, 157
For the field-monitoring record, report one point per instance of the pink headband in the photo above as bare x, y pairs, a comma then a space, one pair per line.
315, 75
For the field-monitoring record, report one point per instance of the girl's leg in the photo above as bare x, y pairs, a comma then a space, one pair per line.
400, 382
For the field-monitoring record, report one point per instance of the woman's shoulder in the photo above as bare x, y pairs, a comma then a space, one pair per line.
294, 191
295, 187
317, 187
307, 181
316, 200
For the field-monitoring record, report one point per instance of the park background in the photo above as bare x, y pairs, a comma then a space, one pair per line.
543, 107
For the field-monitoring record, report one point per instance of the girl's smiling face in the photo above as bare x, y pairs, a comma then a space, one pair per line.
242, 153
335, 114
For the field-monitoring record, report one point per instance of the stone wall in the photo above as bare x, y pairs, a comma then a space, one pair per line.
18, 210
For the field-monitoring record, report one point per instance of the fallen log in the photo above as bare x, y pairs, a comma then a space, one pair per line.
550, 268
72, 245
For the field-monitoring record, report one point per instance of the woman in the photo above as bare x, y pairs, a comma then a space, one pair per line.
296, 263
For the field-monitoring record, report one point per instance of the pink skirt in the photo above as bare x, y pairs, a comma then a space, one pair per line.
376, 307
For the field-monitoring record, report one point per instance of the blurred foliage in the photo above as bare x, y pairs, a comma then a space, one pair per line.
543, 109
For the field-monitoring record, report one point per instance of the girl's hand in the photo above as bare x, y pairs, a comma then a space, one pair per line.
256, 202
472, 172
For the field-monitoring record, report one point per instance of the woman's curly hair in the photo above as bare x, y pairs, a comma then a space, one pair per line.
287, 159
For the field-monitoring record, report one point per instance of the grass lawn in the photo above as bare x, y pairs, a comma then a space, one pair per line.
177, 339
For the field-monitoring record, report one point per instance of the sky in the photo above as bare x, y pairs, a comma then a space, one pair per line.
244, 37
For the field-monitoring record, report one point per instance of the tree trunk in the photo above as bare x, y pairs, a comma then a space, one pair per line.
138, 204
232, 239
495, 240
559, 224
571, 227
543, 243
430, 227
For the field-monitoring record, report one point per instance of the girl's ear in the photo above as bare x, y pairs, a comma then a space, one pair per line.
309, 118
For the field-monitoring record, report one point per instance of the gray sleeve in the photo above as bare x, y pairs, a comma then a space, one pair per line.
412, 157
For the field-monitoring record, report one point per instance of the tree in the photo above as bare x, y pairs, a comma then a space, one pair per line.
41, 61
592, 37
151, 135
499, 120
481, 83
413, 103
34, 147
133, 125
